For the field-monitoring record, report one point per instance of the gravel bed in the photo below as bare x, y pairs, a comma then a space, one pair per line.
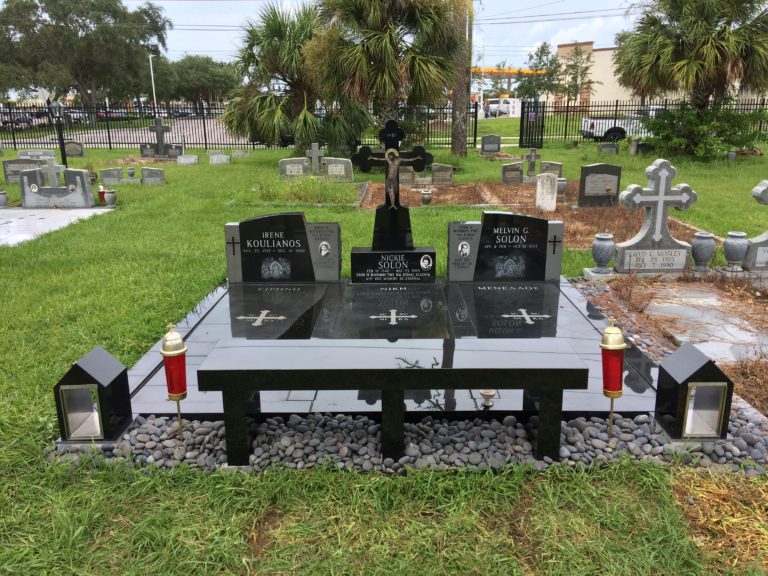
353, 442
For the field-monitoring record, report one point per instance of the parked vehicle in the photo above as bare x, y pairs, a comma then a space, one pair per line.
499, 106
182, 113
615, 129
17, 119
75, 116
114, 114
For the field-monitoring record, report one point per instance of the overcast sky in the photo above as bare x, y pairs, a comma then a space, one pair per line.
502, 31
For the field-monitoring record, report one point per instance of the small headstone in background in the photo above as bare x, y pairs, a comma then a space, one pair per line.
187, 160
240, 153
422, 178
607, 148
653, 249
214, 153
152, 175
147, 150
599, 185
531, 158
406, 175
12, 168
218, 159
174, 150
338, 169
490, 144
555, 168
315, 154
75, 193
442, 174
110, 176
512, 173
756, 259
74, 148
35, 155
546, 192
292, 167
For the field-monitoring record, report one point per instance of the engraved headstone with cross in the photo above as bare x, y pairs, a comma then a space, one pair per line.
314, 154
756, 259
159, 130
531, 158
653, 249
392, 317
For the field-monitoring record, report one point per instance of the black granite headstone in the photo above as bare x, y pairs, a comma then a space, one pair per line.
600, 185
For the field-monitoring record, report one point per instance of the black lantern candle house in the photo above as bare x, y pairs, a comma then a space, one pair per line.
693, 397
93, 401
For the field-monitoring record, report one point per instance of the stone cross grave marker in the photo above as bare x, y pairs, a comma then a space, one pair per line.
314, 154
159, 130
51, 172
756, 259
531, 158
653, 249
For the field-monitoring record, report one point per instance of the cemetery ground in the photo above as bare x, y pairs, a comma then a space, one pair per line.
118, 279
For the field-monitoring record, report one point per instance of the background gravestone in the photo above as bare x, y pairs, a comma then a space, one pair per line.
653, 249
406, 175
217, 159
240, 153
607, 148
147, 150
546, 192
12, 169
490, 144
505, 247
152, 176
442, 174
75, 193
555, 168
599, 185
338, 169
512, 173
111, 176
74, 149
187, 160
35, 155
283, 248
756, 259
292, 167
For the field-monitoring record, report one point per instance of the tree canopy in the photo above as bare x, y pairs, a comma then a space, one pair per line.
200, 78
95, 47
533, 86
703, 47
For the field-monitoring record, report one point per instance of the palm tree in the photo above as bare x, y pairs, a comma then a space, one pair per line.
705, 47
280, 96
462, 21
384, 52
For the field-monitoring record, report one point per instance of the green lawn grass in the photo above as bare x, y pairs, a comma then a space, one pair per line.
116, 280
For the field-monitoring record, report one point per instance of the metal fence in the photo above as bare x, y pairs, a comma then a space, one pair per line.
563, 122
102, 127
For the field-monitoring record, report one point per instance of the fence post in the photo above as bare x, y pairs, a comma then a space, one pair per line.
567, 110
205, 133
11, 118
616, 112
106, 119
474, 130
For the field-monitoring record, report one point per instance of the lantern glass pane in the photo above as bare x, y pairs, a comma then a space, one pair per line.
704, 410
81, 411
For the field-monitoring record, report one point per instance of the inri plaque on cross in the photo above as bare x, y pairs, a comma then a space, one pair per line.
653, 249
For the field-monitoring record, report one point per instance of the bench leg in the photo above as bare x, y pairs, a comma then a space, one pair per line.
550, 415
392, 420
234, 425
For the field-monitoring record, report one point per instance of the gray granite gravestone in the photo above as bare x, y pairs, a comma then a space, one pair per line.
152, 175
490, 144
653, 249
607, 148
111, 176
218, 159
531, 158
147, 150
512, 173
174, 150
187, 160
314, 154
442, 174
505, 247
292, 167
214, 153
35, 155
599, 185
74, 149
283, 248
555, 168
76, 192
240, 153
756, 259
406, 175
12, 169
338, 169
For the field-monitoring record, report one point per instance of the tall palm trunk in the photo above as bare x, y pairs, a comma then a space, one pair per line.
699, 97
460, 97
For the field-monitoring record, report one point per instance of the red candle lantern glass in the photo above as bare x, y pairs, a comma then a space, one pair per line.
613, 346
174, 353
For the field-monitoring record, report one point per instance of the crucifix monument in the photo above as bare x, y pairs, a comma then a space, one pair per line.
653, 249
531, 158
159, 130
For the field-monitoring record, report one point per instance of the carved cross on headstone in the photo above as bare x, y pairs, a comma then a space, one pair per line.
524, 315
531, 157
314, 153
51, 172
261, 318
657, 198
159, 129
393, 317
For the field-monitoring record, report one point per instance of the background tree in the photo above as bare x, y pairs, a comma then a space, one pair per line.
534, 86
704, 47
575, 70
385, 52
462, 60
95, 47
201, 79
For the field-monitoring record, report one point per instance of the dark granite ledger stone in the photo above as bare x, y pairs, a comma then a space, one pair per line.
414, 265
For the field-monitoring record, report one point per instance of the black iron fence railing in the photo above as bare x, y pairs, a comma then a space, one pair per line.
113, 127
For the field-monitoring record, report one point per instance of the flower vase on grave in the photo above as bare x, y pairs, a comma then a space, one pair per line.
426, 196
735, 250
702, 250
131, 172
3, 198
110, 197
602, 252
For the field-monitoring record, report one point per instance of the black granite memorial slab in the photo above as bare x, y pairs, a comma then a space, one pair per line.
600, 185
393, 266
276, 312
519, 310
283, 248
505, 247
392, 312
